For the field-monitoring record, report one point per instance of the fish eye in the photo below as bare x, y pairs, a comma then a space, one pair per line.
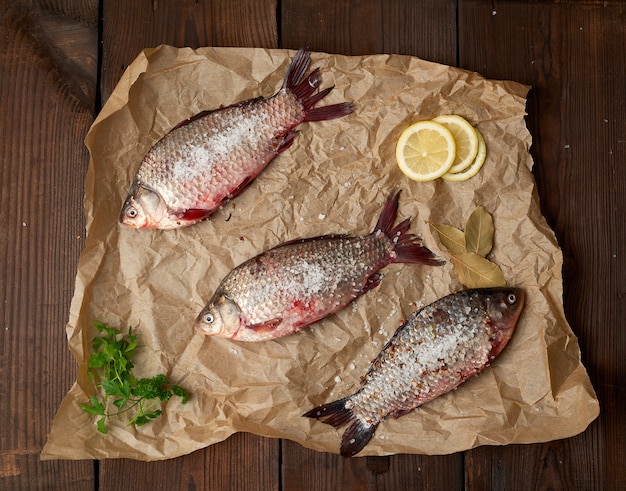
209, 318
131, 212
511, 298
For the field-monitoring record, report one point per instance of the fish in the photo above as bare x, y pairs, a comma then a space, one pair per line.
210, 158
434, 350
302, 281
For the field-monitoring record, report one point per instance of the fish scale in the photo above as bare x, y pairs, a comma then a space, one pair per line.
216, 151
435, 350
326, 271
212, 157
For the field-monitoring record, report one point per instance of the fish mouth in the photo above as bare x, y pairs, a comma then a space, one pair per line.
144, 207
128, 224
203, 329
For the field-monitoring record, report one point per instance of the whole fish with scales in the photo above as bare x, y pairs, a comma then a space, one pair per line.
303, 281
210, 158
435, 350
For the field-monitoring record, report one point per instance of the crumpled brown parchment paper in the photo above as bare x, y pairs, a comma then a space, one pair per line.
334, 179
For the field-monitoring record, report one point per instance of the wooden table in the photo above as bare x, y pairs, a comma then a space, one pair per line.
59, 62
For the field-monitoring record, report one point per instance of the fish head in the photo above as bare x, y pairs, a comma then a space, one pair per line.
221, 317
143, 208
504, 306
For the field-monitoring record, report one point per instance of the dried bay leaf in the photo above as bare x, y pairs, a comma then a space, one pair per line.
479, 232
469, 250
452, 238
475, 271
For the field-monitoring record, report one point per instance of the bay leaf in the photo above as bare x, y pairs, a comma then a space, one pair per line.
479, 232
452, 238
474, 271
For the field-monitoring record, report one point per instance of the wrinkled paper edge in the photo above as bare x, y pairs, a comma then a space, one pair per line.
95, 251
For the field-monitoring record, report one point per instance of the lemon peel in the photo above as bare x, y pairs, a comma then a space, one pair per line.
473, 169
465, 138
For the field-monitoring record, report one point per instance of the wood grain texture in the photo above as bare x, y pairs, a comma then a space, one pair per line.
244, 461
54, 69
186, 23
308, 470
48, 59
426, 29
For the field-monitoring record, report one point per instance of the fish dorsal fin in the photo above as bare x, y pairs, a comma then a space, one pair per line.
310, 239
202, 114
193, 118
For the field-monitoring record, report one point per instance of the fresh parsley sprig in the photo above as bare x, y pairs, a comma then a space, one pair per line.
110, 368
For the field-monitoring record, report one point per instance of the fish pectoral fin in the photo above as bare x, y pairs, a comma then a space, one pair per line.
266, 326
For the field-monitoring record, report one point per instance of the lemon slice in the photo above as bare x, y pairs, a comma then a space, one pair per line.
465, 138
425, 151
474, 167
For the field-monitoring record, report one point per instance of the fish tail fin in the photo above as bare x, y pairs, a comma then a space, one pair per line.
356, 437
406, 247
304, 90
334, 413
337, 415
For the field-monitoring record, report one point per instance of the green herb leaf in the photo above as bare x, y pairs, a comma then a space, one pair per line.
469, 250
110, 367
180, 392
146, 417
120, 403
97, 360
102, 425
94, 406
479, 232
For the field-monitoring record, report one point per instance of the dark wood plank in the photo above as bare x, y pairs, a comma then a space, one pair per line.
428, 30
305, 470
243, 461
130, 27
48, 59
573, 56
571, 52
